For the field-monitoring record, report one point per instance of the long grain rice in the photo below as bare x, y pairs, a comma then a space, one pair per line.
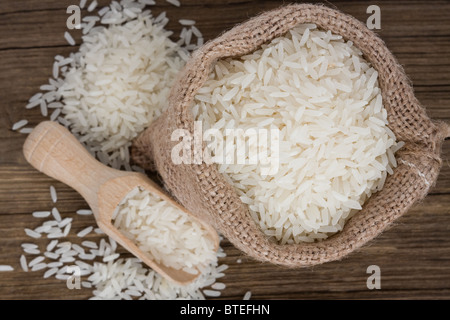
41, 214
118, 278
6, 268
164, 232
53, 194
321, 96
247, 295
23, 263
19, 124
69, 38
176, 3
85, 231
32, 233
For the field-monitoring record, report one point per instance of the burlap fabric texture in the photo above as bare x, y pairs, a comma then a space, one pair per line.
205, 192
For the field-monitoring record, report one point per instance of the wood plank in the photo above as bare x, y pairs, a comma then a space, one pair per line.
413, 257
47, 24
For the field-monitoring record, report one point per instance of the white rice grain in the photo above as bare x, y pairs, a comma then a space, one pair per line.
196, 32
6, 268
52, 245
211, 293
35, 97
55, 114
19, 124
69, 38
31, 251
186, 22
23, 263
56, 214
111, 257
51, 255
50, 272
90, 244
43, 108
92, 6
41, 214
98, 231
55, 70
29, 246
26, 130
55, 264
32, 233
84, 212
53, 194
33, 104
35, 261
62, 276
218, 286
85, 232
39, 266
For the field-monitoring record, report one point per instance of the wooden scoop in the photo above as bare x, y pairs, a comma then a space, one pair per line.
53, 150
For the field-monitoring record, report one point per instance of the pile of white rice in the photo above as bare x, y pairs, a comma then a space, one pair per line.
335, 148
106, 93
98, 264
118, 81
167, 234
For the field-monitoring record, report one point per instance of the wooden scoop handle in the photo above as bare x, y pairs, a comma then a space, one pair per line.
53, 150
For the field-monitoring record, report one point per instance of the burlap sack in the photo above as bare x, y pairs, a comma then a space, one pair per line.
204, 191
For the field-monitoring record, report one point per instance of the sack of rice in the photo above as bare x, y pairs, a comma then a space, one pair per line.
355, 149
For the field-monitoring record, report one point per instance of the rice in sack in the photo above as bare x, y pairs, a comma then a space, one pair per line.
205, 190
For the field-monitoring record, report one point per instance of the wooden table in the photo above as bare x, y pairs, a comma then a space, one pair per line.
413, 255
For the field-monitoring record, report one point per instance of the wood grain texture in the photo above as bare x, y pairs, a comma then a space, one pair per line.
414, 254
